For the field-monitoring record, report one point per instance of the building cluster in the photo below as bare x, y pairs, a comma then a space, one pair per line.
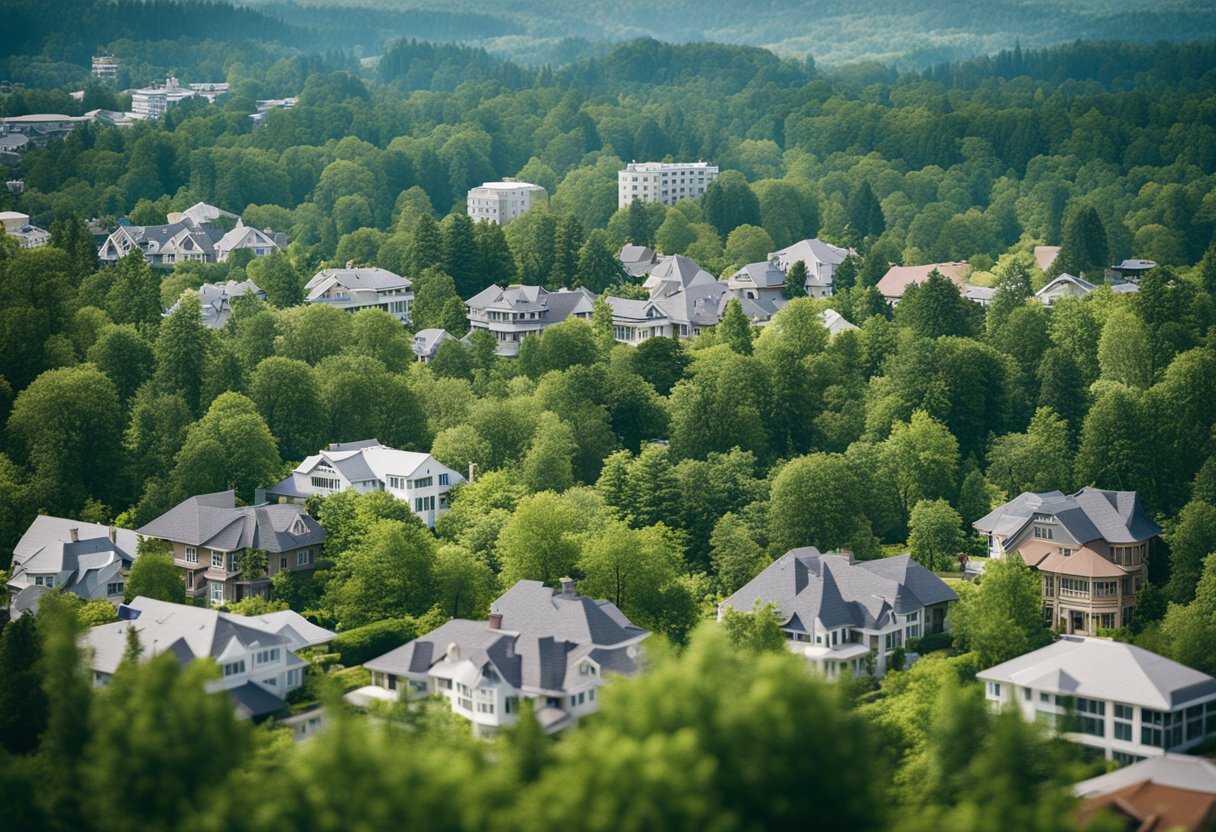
197, 235
155, 101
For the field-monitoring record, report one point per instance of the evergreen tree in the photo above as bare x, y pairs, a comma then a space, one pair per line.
460, 254
426, 248
134, 296
729, 202
598, 266
795, 281
1062, 388
181, 351
1084, 246
433, 290
640, 233
495, 263
936, 308
22, 699
71, 234
865, 213
735, 330
567, 240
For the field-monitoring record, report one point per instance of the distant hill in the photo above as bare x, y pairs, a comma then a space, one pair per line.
905, 33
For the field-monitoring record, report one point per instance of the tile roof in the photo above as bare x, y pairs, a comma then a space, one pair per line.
1101, 669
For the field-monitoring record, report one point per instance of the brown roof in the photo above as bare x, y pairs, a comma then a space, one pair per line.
1044, 256
1151, 807
898, 278
1086, 563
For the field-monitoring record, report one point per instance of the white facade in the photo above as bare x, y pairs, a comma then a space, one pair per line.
501, 202
105, 66
352, 289
1120, 699
821, 260
416, 479
665, 182
514, 313
18, 225
152, 102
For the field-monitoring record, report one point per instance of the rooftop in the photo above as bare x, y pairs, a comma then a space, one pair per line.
1090, 514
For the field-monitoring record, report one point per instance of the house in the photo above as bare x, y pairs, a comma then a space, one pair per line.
427, 341
200, 213
261, 243
1169, 792
634, 321
212, 537
514, 313
554, 647
835, 322
17, 225
417, 479
1064, 286
86, 559
665, 182
1129, 271
979, 294
843, 614
1091, 550
692, 298
1110, 696
763, 284
216, 300
638, 260
40, 128
501, 202
162, 245
298, 630
898, 278
1044, 256
258, 665
821, 260
365, 287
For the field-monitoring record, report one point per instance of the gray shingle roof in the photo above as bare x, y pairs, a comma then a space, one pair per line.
1100, 669
1179, 771
363, 277
806, 585
810, 251
252, 701
532, 607
1090, 514
215, 522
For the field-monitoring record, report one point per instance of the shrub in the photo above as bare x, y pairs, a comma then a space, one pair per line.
362, 643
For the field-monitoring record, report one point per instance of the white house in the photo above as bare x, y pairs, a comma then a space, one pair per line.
261, 243
665, 182
633, 321
16, 224
365, 287
761, 284
427, 341
514, 313
501, 202
162, 245
554, 647
1064, 286
417, 479
216, 300
258, 663
1117, 698
87, 559
845, 614
821, 260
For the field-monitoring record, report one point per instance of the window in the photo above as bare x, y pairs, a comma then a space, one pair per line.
267, 656
1026, 694
191, 555
1045, 697
232, 567
1042, 533
189, 580
217, 592
424, 504
423, 482
1106, 589
326, 483
1153, 725
444, 479
234, 668
1091, 717
1074, 587
283, 562
302, 558
396, 483
1065, 551
293, 678
217, 560
994, 689
1194, 722
485, 707
511, 705
115, 588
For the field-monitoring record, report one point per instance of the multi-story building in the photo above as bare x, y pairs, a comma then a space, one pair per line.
665, 182
554, 647
1091, 550
514, 313
261, 243
162, 245
418, 480
86, 559
501, 202
843, 614
365, 287
1117, 698
40, 128
153, 102
821, 260
16, 224
105, 66
214, 542
257, 657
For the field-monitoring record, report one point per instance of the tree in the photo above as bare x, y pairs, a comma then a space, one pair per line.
460, 254
389, 574
1038, 460
134, 296
734, 553
1124, 353
675, 234
495, 263
537, 543
865, 213
433, 289
1084, 246
22, 700
275, 275
230, 447
1002, 618
547, 466
817, 500
640, 231
181, 348
735, 329
748, 244
660, 361
464, 583
154, 575
1192, 539
755, 631
97, 612
1117, 449
937, 537
426, 249
567, 243
935, 308
1062, 388
729, 202
123, 355
598, 266
921, 459
631, 568
287, 396
68, 426
795, 281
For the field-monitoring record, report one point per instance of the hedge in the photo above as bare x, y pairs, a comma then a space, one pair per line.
363, 643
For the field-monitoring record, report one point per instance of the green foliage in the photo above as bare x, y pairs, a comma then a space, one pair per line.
1002, 618
756, 631
95, 612
936, 537
361, 644
154, 575
23, 704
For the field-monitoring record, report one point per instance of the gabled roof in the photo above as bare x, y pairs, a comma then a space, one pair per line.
1090, 514
1100, 669
1179, 771
369, 461
1084, 285
47, 537
635, 310
244, 236
1044, 256
363, 278
898, 278
559, 305
426, 341
216, 300
764, 275
637, 260
674, 273
200, 213
835, 322
298, 630
806, 585
214, 521
810, 252
532, 607
701, 303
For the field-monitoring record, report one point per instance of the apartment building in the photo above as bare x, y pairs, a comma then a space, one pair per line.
665, 182
501, 202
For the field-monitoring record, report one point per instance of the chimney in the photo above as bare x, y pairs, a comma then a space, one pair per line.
74, 534
112, 532
472, 470
495, 621
568, 587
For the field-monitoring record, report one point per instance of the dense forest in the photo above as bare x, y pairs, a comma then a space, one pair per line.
662, 476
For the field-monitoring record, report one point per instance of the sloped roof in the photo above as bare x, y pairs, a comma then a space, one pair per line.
1090, 514
214, 521
811, 251
363, 278
898, 278
48, 535
806, 585
200, 213
369, 461
426, 341
1044, 256
216, 300
1100, 669
252, 701
298, 630
244, 236
1180, 771
674, 273
834, 321
1084, 285
764, 275
637, 260
532, 607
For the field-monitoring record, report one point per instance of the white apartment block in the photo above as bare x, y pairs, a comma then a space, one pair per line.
105, 66
152, 102
501, 202
665, 182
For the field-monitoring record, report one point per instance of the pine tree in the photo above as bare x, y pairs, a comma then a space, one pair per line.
735, 330
460, 255
1083, 249
640, 232
181, 351
865, 213
426, 248
795, 281
598, 266
495, 263
567, 240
